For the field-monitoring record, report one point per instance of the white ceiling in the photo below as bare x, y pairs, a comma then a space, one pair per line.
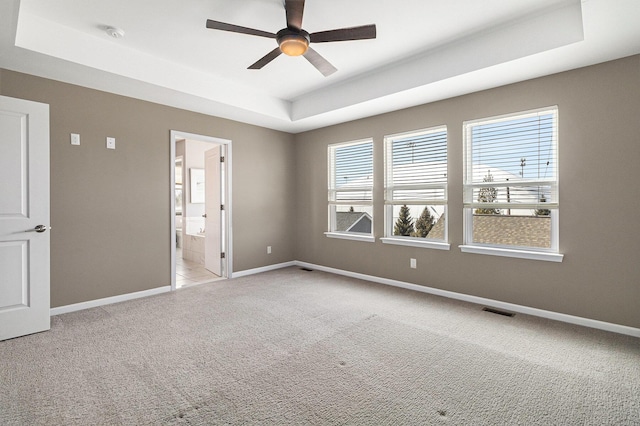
425, 50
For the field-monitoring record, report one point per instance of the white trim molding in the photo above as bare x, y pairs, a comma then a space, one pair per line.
415, 242
268, 268
571, 319
227, 239
108, 300
354, 237
520, 254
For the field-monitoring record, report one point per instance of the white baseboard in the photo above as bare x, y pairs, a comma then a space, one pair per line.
130, 296
586, 322
263, 269
107, 300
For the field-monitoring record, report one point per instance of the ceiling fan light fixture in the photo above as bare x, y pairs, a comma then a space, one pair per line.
293, 43
294, 46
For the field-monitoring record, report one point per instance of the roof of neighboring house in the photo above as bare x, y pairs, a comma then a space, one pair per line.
530, 231
437, 232
347, 221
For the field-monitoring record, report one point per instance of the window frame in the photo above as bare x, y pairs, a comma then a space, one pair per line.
332, 194
390, 202
524, 252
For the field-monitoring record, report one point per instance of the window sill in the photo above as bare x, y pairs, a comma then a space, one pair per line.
413, 243
520, 254
354, 237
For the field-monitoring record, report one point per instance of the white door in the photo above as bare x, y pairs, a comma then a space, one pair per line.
24, 217
212, 225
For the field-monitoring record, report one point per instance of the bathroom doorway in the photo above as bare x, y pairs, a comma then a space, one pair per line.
200, 208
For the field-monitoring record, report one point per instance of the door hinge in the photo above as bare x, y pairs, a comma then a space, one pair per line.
221, 206
222, 159
223, 255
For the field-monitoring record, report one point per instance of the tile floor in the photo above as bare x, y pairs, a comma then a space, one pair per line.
188, 272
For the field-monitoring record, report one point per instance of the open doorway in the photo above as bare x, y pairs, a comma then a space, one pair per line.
200, 209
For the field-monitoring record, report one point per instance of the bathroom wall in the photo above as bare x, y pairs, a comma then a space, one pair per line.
193, 159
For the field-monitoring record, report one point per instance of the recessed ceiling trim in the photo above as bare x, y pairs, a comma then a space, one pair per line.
115, 57
528, 36
68, 49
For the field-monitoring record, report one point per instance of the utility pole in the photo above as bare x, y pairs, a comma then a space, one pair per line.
411, 144
508, 198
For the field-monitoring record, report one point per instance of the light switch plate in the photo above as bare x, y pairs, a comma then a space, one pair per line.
412, 263
111, 143
75, 139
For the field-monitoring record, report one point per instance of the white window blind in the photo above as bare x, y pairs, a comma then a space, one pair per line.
416, 167
511, 180
351, 187
351, 172
512, 162
416, 184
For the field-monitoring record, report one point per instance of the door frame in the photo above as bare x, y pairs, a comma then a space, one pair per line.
227, 262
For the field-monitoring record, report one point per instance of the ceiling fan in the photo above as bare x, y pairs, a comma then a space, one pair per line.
294, 41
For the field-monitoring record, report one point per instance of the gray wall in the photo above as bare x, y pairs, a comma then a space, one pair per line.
111, 237
110, 210
599, 163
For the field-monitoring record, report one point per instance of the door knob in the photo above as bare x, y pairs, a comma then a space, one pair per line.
40, 228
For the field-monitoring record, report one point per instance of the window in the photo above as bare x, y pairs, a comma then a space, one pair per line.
416, 188
511, 185
351, 190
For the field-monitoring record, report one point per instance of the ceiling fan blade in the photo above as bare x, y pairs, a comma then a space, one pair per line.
215, 25
295, 9
266, 59
319, 62
362, 32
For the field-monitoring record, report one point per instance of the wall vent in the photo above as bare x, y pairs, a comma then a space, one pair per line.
499, 312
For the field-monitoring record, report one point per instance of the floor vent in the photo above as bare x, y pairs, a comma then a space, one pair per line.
306, 269
499, 312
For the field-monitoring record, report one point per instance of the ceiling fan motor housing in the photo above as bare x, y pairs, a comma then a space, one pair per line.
293, 42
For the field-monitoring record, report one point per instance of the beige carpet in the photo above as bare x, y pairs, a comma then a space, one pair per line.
296, 347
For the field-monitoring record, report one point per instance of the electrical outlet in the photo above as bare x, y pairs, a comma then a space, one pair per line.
268, 249
75, 139
111, 143
413, 263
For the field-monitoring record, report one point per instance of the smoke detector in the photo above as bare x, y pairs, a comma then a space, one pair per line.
115, 32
